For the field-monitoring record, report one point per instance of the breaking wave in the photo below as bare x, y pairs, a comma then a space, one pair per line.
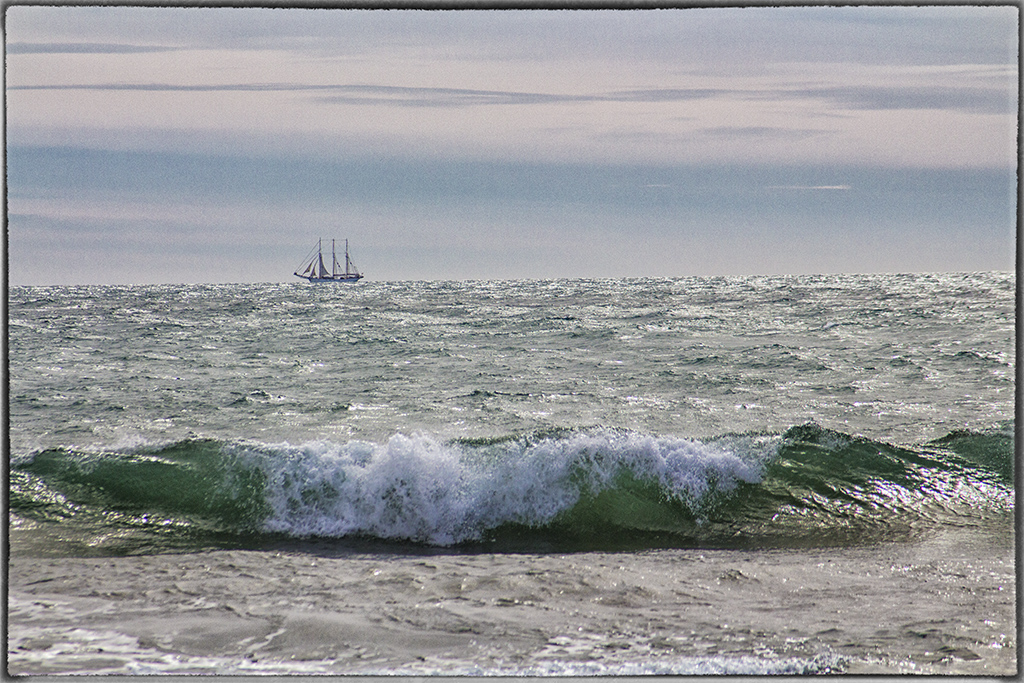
563, 490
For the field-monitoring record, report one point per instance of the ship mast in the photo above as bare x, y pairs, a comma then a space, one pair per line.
320, 256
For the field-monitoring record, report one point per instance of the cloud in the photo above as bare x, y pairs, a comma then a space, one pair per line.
709, 35
982, 100
761, 132
642, 86
82, 48
443, 97
376, 94
36, 172
667, 94
970, 98
348, 94
462, 97
177, 87
809, 187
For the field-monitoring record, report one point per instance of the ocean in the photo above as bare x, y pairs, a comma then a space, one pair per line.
740, 475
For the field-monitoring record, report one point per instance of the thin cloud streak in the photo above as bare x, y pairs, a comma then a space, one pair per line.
986, 100
83, 48
982, 100
762, 132
809, 187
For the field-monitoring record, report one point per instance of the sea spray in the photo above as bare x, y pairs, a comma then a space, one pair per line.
418, 488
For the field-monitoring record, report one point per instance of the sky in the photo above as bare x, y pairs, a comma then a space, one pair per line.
212, 145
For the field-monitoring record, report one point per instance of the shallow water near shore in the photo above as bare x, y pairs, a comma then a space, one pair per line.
807, 474
945, 606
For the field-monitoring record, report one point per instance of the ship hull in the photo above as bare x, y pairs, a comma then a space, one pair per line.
351, 279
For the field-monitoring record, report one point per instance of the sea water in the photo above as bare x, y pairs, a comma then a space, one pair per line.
533, 416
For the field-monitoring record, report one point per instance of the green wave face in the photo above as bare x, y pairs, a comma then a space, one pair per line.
829, 487
560, 491
167, 498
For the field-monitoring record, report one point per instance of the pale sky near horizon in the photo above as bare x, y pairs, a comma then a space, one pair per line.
152, 145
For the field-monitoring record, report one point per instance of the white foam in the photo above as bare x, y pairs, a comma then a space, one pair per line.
420, 488
84, 651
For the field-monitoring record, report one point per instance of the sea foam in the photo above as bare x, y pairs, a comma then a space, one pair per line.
422, 489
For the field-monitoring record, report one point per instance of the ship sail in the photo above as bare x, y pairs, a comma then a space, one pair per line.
314, 269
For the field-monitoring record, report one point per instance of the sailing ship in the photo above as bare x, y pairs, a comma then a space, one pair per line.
314, 270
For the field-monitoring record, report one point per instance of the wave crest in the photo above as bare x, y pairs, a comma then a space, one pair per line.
559, 490
421, 489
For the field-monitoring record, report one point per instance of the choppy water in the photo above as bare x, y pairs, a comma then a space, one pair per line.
565, 414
